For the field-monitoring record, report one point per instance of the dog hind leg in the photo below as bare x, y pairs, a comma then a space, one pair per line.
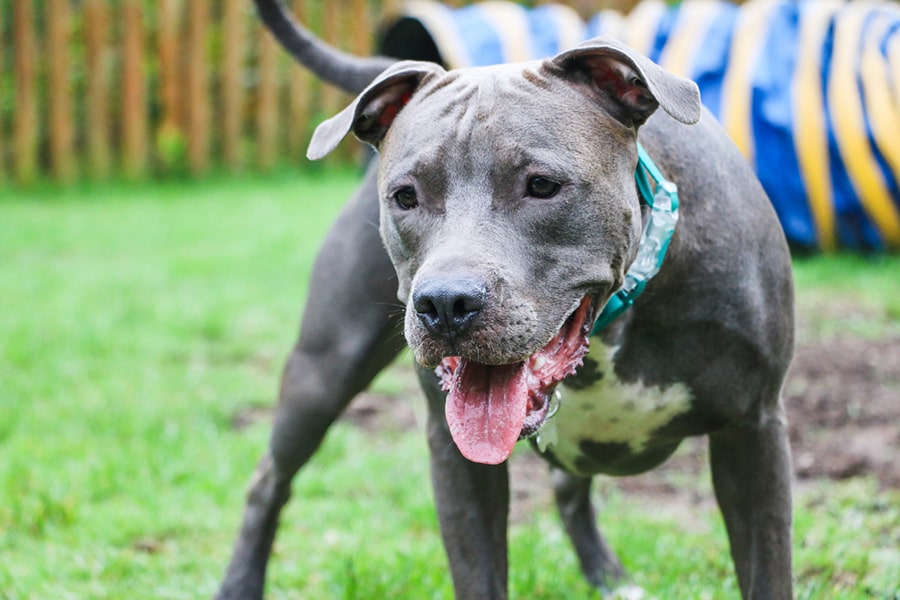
599, 563
347, 336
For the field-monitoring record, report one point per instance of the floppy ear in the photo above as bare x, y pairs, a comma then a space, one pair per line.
370, 115
631, 85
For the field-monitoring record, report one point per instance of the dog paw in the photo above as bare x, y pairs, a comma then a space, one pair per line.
628, 592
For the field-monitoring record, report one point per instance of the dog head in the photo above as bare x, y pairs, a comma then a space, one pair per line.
509, 211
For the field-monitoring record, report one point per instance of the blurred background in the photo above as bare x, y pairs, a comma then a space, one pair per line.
158, 221
93, 89
100, 88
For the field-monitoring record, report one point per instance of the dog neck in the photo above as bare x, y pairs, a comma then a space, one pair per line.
662, 199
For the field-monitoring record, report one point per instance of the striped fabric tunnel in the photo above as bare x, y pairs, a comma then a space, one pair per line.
809, 90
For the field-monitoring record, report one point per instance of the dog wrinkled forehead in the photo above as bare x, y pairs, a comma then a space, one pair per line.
494, 125
484, 102
461, 94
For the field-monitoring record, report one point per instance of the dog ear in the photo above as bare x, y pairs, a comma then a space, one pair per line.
635, 85
370, 115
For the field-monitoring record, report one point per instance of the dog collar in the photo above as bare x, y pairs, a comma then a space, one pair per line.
662, 198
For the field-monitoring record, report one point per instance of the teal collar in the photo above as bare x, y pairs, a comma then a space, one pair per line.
662, 198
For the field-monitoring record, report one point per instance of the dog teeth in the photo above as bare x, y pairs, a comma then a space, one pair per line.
538, 362
555, 400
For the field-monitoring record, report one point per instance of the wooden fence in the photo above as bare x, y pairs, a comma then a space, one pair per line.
96, 88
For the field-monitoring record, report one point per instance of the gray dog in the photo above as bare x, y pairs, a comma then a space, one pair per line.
525, 210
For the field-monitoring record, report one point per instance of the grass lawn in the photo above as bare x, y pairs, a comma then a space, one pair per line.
138, 320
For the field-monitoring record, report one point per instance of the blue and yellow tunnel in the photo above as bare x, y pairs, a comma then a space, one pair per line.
809, 90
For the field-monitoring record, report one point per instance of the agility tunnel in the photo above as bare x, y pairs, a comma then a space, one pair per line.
809, 90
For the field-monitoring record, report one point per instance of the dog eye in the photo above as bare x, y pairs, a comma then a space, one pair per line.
405, 198
541, 187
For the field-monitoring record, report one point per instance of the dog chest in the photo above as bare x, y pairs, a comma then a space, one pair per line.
606, 413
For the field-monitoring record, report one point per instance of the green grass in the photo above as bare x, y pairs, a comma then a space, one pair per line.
848, 294
138, 320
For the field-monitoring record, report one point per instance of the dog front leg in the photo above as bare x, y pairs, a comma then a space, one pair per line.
473, 506
751, 468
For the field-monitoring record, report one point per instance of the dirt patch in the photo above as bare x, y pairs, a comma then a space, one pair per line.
843, 402
384, 412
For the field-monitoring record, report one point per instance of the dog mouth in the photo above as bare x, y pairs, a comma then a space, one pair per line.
491, 407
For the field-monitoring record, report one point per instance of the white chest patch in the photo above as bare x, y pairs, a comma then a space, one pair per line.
609, 411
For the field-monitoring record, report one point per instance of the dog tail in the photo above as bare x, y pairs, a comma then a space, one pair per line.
350, 73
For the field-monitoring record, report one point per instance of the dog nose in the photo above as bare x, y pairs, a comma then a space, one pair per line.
448, 307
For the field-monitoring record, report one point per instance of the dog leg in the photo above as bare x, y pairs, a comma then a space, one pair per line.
751, 468
346, 338
599, 563
473, 507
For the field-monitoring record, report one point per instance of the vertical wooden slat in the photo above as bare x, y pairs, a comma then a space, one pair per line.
26, 123
171, 130
332, 99
2, 120
231, 81
330, 20
361, 27
197, 86
267, 116
134, 108
96, 24
62, 157
355, 42
300, 94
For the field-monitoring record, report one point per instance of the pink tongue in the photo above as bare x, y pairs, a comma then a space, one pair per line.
486, 409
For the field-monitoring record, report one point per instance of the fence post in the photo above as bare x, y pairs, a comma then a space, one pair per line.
300, 94
231, 82
330, 30
171, 140
97, 93
197, 86
267, 117
335, 32
2, 129
361, 27
134, 108
62, 157
26, 122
